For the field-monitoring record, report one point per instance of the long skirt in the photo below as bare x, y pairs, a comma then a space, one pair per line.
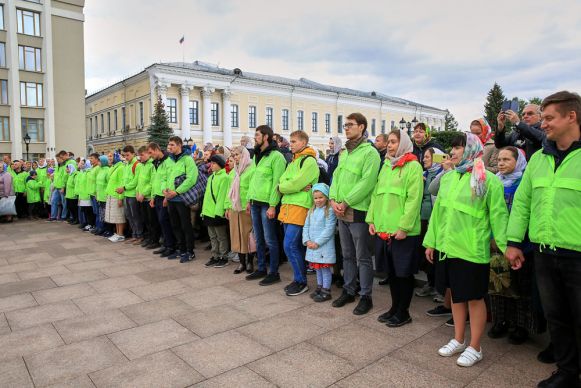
240, 228
114, 214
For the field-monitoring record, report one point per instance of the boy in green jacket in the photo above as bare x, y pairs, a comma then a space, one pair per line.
130, 179
143, 196
547, 204
33, 195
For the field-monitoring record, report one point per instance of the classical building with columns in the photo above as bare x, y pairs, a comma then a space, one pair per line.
207, 103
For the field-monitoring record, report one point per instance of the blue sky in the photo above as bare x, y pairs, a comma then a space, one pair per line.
443, 53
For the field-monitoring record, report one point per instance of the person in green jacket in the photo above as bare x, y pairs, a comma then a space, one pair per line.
294, 185
394, 217
353, 182
33, 195
48, 187
101, 196
19, 183
130, 179
82, 191
547, 204
263, 198
92, 174
70, 194
114, 211
470, 208
143, 196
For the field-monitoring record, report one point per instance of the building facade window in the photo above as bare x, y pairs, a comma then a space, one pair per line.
340, 124
194, 115
234, 123
301, 120
30, 94
252, 116
392, 124
29, 58
1, 16
215, 115
372, 127
28, 22
109, 121
141, 114
4, 129
102, 123
123, 118
382, 126
327, 122
91, 127
116, 119
34, 128
172, 107
285, 119
269, 120
96, 125
315, 121
2, 54
4, 92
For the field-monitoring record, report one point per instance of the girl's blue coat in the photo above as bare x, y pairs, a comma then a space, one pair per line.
320, 230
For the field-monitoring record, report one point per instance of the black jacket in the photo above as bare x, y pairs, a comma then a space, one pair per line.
420, 150
272, 146
529, 138
332, 163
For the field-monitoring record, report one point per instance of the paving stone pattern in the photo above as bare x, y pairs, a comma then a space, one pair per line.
79, 311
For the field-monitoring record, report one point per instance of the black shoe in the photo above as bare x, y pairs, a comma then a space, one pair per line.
256, 275
498, 330
518, 336
192, 255
323, 296
547, 356
339, 282
160, 251
365, 304
560, 379
167, 253
222, 263
290, 285
386, 316
152, 246
271, 278
439, 311
185, 257
82, 226
297, 289
145, 243
241, 268
397, 321
343, 299
175, 255
314, 293
212, 262
384, 282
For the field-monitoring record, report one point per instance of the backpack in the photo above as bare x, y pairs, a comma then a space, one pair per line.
195, 194
323, 175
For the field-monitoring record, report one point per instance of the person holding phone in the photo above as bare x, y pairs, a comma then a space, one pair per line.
527, 133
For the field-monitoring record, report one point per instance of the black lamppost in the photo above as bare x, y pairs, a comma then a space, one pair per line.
402, 124
26, 139
409, 127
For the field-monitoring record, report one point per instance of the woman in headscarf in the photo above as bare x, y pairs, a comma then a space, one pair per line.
114, 212
469, 210
335, 145
482, 129
422, 137
101, 195
236, 203
6, 188
516, 314
394, 217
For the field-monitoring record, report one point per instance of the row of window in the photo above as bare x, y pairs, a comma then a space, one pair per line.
30, 94
29, 58
27, 22
34, 128
115, 120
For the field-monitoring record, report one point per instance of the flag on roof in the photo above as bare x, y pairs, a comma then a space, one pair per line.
182, 39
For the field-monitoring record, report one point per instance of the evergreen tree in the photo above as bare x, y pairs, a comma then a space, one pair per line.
450, 122
536, 100
493, 105
159, 130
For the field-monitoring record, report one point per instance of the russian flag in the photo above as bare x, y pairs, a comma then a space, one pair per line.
182, 40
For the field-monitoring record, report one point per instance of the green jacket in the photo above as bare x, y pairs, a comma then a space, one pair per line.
215, 195
295, 178
116, 175
184, 165
144, 179
33, 191
19, 181
245, 179
267, 173
61, 176
355, 176
101, 184
70, 191
160, 175
92, 180
461, 226
131, 177
47, 192
397, 199
547, 203
42, 175
81, 189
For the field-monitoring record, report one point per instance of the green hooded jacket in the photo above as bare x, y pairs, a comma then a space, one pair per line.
295, 178
33, 191
92, 180
245, 179
215, 195
184, 165
47, 193
160, 175
101, 184
61, 176
267, 173
70, 192
144, 179
19, 181
130, 178
81, 189
42, 175
116, 175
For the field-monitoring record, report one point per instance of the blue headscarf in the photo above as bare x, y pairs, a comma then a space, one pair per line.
104, 160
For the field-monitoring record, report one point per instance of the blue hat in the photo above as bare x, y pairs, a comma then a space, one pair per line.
322, 187
104, 160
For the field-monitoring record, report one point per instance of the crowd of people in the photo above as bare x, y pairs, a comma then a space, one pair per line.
493, 221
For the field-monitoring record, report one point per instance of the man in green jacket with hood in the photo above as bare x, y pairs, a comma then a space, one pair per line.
350, 194
548, 205
130, 178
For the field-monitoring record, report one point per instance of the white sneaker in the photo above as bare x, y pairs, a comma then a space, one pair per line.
451, 348
116, 238
469, 357
87, 227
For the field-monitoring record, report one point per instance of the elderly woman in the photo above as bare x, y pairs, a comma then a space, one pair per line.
6, 188
114, 212
481, 128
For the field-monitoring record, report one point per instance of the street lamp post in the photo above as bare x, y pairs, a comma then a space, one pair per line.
402, 124
26, 139
409, 127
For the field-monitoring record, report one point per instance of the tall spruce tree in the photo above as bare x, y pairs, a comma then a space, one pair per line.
450, 122
493, 105
159, 130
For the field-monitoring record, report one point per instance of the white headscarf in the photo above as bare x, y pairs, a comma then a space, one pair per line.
509, 179
337, 145
405, 147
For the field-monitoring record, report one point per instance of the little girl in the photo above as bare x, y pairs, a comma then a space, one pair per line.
319, 238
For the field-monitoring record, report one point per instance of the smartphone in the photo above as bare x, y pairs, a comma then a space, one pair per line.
510, 105
439, 158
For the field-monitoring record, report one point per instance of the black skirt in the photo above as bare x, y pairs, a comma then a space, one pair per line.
465, 279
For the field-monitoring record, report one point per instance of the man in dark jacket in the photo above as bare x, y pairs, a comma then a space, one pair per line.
422, 138
527, 134
381, 146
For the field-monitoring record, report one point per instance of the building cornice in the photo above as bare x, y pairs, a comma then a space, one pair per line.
116, 86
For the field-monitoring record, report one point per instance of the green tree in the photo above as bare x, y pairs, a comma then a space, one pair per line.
450, 122
536, 100
493, 105
445, 138
159, 130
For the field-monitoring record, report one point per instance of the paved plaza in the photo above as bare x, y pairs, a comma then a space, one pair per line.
79, 311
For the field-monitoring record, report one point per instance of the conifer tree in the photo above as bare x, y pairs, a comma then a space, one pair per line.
159, 130
493, 105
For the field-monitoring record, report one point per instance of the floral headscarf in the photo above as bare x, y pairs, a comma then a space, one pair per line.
486, 133
472, 162
509, 179
427, 137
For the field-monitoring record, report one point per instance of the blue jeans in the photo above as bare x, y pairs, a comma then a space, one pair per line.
165, 225
58, 199
324, 277
295, 251
98, 220
265, 234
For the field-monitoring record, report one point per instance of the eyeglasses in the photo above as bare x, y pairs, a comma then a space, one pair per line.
349, 125
528, 113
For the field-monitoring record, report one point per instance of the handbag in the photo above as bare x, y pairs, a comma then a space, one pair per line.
7, 206
251, 242
195, 194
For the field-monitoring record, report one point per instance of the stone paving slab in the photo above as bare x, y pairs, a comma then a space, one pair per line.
107, 301
13, 373
157, 310
20, 287
38, 315
93, 325
58, 294
29, 341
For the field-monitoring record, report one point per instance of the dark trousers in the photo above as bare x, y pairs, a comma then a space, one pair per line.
89, 215
164, 224
150, 221
73, 209
559, 280
33, 209
21, 205
181, 223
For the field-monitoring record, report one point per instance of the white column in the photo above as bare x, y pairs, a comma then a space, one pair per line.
185, 94
226, 118
162, 92
207, 116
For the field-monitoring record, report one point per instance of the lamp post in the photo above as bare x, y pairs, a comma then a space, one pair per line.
26, 139
409, 127
402, 124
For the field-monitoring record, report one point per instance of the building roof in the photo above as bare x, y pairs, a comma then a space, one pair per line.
300, 83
